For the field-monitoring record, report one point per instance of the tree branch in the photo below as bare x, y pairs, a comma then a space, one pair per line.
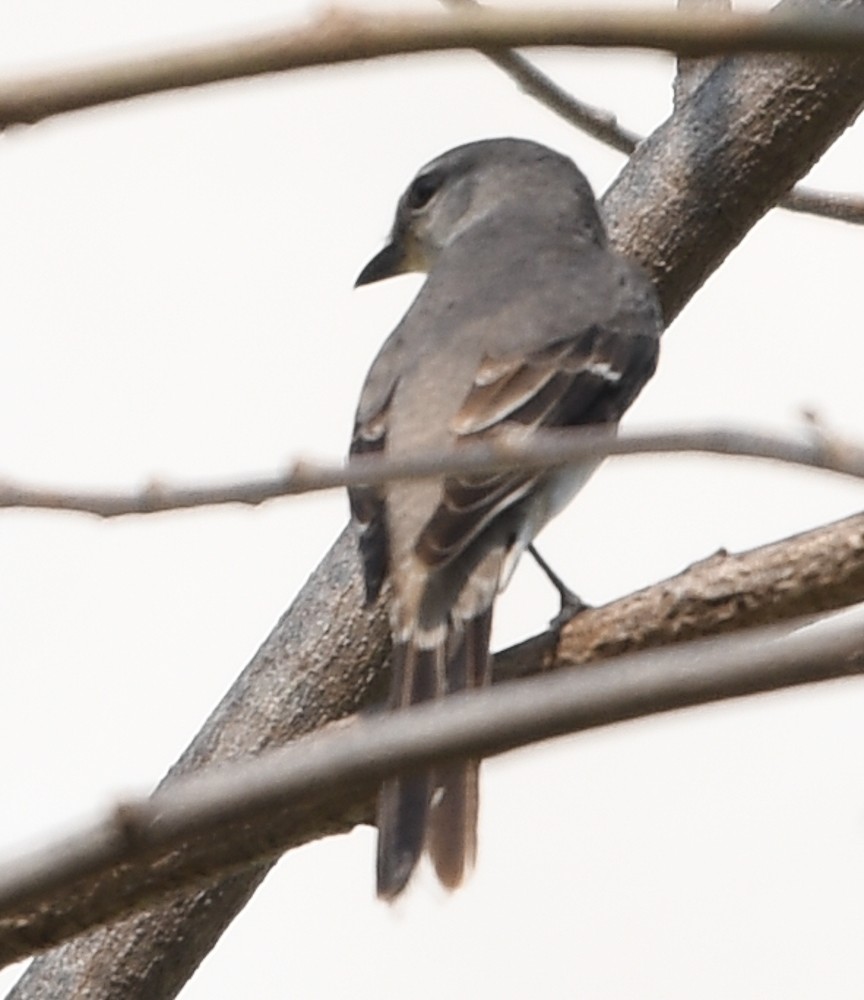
819, 571
687, 173
546, 449
242, 813
828, 204
596, 122
693, 72
341, 36
816, 571
687, 196
602, 124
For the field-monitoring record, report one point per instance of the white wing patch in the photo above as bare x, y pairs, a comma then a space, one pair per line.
603, 370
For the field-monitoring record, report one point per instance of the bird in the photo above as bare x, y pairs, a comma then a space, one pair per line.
526, 320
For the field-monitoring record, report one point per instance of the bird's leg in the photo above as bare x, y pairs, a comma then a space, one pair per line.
571, 604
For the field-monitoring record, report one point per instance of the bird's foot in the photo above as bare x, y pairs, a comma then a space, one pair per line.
571, 604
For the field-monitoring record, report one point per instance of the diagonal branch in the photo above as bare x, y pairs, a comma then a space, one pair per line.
689, 174
546, 449
596, 122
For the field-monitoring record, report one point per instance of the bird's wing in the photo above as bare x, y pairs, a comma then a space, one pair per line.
368, 507
588, 378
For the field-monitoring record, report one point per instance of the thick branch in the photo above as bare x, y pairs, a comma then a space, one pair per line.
341, 36
547, 449
818, 571
701, 181
325, 655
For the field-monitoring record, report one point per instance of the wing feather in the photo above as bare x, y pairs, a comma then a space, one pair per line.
368, 503
590, 378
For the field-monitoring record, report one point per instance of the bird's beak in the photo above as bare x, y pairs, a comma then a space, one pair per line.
389, 262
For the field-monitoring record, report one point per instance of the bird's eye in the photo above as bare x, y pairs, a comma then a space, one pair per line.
423, 190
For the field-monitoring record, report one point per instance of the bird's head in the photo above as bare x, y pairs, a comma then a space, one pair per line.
470, 183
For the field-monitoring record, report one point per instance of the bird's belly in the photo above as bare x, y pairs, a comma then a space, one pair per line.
564, 484
560, 486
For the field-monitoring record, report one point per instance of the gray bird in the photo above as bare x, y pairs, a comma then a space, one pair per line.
526, 321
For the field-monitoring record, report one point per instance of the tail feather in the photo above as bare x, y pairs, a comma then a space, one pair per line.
404, 802
452, 839
433, 810
403, 808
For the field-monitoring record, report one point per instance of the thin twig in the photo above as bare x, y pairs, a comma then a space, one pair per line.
547, 449
594, 121
341, 36
828, 204
355, 758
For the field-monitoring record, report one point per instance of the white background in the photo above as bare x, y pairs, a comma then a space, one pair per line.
176, 278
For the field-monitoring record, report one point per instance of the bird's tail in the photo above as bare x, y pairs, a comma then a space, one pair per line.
437, 809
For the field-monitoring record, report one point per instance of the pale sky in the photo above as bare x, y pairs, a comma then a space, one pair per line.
178, 303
